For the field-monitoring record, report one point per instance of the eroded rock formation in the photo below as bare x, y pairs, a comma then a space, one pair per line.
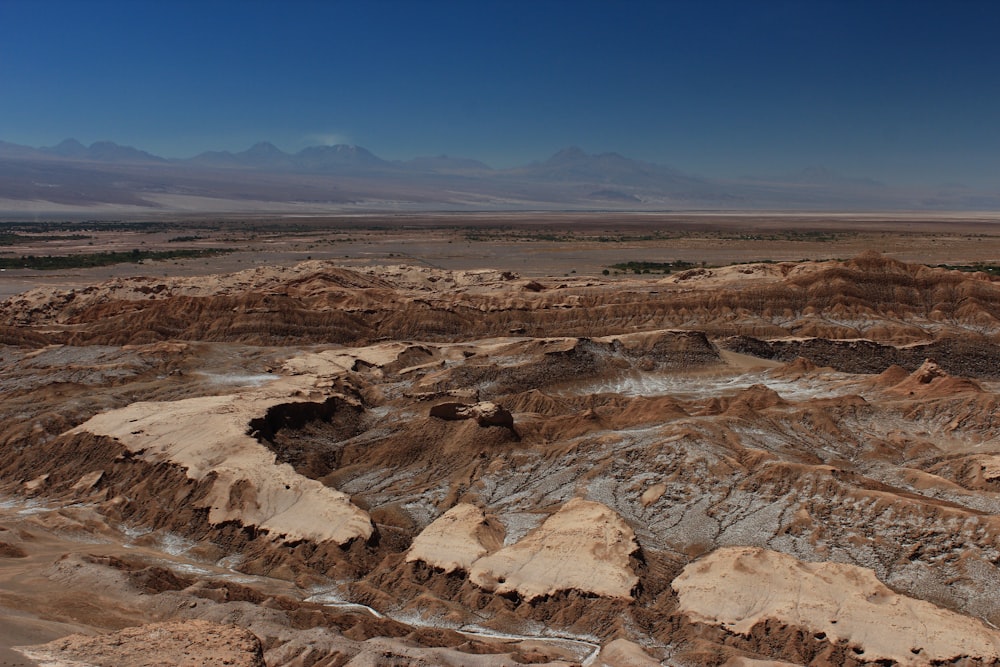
741, 587
407, 464
583, 547
180, 643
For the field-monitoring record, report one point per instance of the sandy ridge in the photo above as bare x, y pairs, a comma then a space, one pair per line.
739, 587
209, 435
585, 546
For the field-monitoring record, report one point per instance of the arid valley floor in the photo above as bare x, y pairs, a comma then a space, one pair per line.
490, 440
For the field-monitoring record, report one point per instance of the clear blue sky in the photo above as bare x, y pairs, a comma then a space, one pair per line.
903, 91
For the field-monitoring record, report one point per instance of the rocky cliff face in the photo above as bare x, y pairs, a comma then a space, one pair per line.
869, 297
462, 468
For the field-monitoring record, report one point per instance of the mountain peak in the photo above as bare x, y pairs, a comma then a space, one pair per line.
337, 156
68, 148
109, 151
263, 148
100, 151
568, 154
263, 154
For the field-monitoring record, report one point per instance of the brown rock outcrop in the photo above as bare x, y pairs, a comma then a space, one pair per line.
741, 587
457, 539
171, 644
485, 413
623, 653
207, 437
584, 546
318, 302
932, 380
210, 447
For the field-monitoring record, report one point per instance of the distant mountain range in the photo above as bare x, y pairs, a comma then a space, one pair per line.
72, 177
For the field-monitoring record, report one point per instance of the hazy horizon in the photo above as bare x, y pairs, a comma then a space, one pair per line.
540, 159
894, 91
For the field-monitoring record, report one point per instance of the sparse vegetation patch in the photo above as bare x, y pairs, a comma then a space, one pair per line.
652, 267
991, 269
55, 262
9, 239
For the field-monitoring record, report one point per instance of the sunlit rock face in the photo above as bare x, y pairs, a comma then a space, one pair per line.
741, 587
794, 463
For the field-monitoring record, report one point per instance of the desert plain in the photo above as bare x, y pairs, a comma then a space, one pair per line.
497, 439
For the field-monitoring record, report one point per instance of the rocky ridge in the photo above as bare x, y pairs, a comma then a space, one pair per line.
618, 490
175, 643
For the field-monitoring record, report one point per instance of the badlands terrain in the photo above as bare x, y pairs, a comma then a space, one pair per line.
367, 446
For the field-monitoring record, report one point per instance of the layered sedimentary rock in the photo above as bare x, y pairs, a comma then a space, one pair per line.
457, 539
584, 547
210, 435
406, 464
484, 413
869, 297
176, 643
741, 587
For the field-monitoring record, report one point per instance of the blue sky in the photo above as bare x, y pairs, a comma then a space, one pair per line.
904, 92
